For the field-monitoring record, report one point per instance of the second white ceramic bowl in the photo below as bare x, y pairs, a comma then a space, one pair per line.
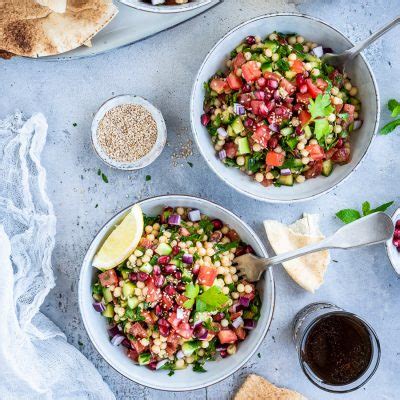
359, 71
95, 323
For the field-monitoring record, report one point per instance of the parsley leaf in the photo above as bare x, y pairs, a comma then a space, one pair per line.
321, 128
390, 127
211, 300
394, 107
148, 178
191, 292
206, 225
321, 106
221, 248
197, 367
350, 215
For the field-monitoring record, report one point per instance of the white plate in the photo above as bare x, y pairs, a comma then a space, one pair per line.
95, 323
359, 72
141, 5
130, 26
393, 254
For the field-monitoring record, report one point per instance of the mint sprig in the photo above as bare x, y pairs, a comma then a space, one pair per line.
349, 215
394, 107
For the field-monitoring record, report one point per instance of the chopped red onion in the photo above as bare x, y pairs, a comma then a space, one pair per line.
274, 128
222, 132
180, 355
187, 258
285, 171
357, 124
200, 332
318, 51
126, 343
237, 307
259, 95
117, 340
221, 347
250, 324
152, 365
244, 301
194, 215
161, 363
222, 155
237, 322
99, 306
114, 330
238, 109
174, 219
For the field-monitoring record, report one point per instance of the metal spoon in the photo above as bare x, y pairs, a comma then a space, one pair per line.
340, 60
372, 229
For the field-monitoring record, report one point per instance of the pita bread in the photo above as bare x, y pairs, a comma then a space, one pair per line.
257, 388
58, 6
307, 271
31, 30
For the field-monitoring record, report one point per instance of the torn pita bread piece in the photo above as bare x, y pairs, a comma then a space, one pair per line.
257, 388
58, 6
28, 29
307, 271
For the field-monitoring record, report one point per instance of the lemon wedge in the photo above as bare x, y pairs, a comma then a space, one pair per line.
122, 241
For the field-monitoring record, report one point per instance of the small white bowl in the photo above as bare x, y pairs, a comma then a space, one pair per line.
392, 252
161, 132
217, 370
163, 9
359, 71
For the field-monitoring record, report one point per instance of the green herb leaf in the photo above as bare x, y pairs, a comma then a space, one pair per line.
221, 248
104, 177
258, 355
191, 291
197, 367
321, 128
390, 127
206, 225
211, 300
74, 124
381, 208
190, 164
366, 207
99, 172
283, 65
321, 106
348, 215
170, 373
344, 116
148, 178
394, 107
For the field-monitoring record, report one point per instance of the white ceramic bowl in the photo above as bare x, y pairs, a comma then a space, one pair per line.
392, 252
95, 323
162, 9
161, 132
359, 72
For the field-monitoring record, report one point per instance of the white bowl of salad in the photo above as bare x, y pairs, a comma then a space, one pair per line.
275, 122
163, 303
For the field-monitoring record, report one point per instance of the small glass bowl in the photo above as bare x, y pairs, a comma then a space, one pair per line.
392, 252
161, 132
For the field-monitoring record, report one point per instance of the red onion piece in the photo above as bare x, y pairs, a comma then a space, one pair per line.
357, 124
187, 258
152, 365
99, 306
156, 270
180, 355
174, 219
117, 340
200, 332
221, 156
222, 132
250, 324
238, 109
221, 347
272, 83
274, 128
237, 322
194, 215
259, 95
170, 269
126, 343
318, 51
114, 330
244, 301
285, 171
161, 363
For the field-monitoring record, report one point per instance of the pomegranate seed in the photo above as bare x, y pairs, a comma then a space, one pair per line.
289, 100
297, 107
264, 109
299, 130
339, 143
277, 95
279, 111
246, 88
181, 287
170, 269
156, 270
178, 275
250, 40
248, 123
303, 89
170, 290
300, 80
158, 310
396, 242
142, 276
163, 322
273, 142
240, 251
152, 365
259, 95
396, 234
133, 277
249, 249
159, 280
272, 83
196, 269
164, 260
398, 224
261, 82
223, 353
175, 250
219, 317
205, 119
217, 224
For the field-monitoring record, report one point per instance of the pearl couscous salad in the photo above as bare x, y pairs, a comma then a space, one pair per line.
279, 113
177, 300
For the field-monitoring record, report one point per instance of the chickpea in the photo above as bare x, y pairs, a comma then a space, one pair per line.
300, 178
275, 57
259, 177
240, 160
292, 40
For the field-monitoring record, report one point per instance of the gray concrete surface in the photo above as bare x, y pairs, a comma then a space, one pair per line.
162, 69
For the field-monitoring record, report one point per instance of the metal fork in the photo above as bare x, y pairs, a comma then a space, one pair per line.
372, 229
340, 60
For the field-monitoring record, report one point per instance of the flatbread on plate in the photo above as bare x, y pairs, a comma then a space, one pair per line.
257, 388
307, 271
58, 6
28, 29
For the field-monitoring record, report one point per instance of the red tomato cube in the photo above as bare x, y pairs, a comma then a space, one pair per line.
251, 71
227, 336
207, 275
108, 278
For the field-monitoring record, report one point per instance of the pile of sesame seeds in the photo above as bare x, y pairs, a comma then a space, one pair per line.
127, 132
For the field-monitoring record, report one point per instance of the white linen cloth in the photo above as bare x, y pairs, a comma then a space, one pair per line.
36, 361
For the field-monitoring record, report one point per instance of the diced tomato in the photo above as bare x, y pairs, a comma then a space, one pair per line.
250, 295
341, 156
304, 117
251, 71
313, 89
267, 182
234, 82
303, 98
180, 299
298, 66
236, 315
227, 336
274, 159
149, 317
287, 86
256, 105
207, 275
173, 320
271, 75
240, 333
173, 339
337, 78
108, 278
321, 84
238, 61
137, 330
230, 149
133, 355
137, 345
218, 85
316, 152
245, 99
262, 135
330, 153
153, 292
314, 171
167, 301
184, 330
233, 235
338, 107
349, 109
146, 243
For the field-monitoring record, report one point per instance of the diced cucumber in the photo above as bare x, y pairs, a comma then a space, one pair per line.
262, 59
187, 275
268, 44
237, 125
310, 58
164, 249
307, 130
240, 47
133, 302
226, 116
290, 74
286, 180
146, 267
190, 347
125, 273
109, 311
107, 295
128, 289
230, 131
267, 66
287, 131
144, 358
327, 167
243, 146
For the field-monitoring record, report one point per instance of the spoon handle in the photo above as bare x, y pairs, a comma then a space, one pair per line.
360, 46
